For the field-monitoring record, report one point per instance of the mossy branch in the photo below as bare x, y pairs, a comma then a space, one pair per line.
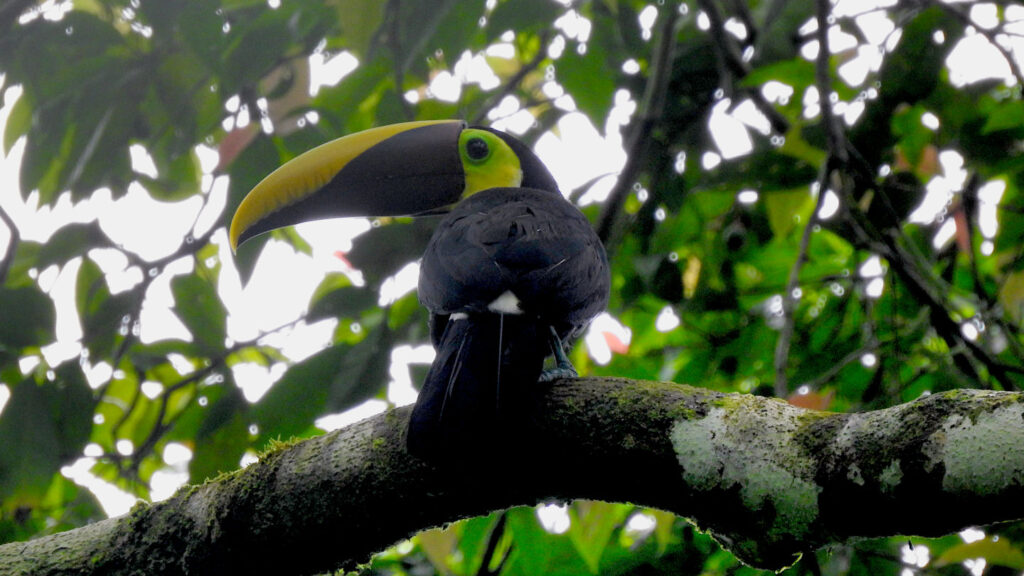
769, 480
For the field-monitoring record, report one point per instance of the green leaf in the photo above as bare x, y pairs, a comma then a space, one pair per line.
335, 299
786, 209
202, 27
781, 28
999, 551
331, 380
73, 402
222, 437
912, 71
25, 257
64, 506
19, 121
383, 250
520, 16
254, 49
404, 310
535, 551
1008, 115
474, 534
70, 241
90, 286
200, 308
43, 427
363, 372
663, 528
76, 72
178, 180
193, 414
591, 529
796, 73
588, 79
359, 21
180, 106
105, 318
912, 133
31, 454
791, 166
69, 505
27, 317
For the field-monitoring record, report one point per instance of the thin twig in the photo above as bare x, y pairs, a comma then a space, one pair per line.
159, 426
216, 365
12, 244
116, 428
395, 44
823, 79
150, 271
836, 152
742, 11
479, 118
513, 82
425, 30
910, 269
789, 299
732, 67
650, 111
837, 367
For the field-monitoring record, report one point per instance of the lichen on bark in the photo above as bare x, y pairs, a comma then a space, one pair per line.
747, 446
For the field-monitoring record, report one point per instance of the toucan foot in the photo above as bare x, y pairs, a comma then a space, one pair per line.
557, 374
563, 367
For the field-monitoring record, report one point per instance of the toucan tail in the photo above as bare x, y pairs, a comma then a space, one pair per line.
486, 365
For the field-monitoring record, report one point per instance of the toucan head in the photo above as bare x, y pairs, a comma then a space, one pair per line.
403, 169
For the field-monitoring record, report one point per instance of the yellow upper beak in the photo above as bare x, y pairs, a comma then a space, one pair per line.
401, 169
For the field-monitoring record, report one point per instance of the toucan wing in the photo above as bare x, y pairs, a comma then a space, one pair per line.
530, 242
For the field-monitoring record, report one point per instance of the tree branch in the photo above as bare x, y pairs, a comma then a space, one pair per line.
650, 111
769, 480
12, 244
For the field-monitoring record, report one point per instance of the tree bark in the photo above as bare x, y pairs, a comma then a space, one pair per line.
767, 479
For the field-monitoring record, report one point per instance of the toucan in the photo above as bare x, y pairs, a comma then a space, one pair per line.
512, 274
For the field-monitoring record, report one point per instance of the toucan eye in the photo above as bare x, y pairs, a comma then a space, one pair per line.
477, 149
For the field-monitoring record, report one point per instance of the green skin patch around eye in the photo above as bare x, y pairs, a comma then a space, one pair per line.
499, 169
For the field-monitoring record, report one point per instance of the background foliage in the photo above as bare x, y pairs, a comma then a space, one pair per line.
732, 270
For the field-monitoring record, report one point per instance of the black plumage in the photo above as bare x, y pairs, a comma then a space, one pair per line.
512, 272
540, 248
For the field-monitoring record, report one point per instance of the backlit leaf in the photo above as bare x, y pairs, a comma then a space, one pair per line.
27, 317
199, 307
998, 551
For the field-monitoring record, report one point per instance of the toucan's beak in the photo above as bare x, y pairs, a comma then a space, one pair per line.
395, 170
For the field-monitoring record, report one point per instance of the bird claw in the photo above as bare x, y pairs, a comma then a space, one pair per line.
563, 367
557, 374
